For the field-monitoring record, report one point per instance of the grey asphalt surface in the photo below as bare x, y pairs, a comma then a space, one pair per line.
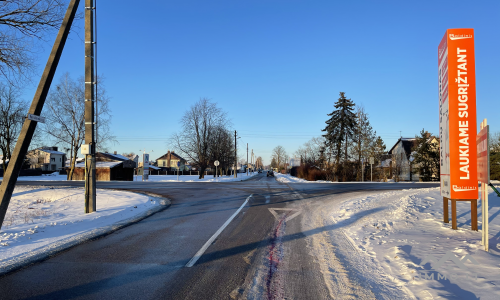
147, 260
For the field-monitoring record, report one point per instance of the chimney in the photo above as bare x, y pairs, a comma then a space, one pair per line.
115, 152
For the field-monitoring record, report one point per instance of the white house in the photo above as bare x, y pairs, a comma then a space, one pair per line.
47, 159
402, 152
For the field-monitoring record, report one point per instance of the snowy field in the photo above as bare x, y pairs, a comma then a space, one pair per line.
41, 219
160, 178
390, 236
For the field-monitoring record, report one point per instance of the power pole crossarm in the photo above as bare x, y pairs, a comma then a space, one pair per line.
29, 126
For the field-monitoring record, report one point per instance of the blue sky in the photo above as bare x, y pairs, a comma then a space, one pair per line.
277, 67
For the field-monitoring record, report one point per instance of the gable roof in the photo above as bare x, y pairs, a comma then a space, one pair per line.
101, 164
52, 151
173, 155
408, 144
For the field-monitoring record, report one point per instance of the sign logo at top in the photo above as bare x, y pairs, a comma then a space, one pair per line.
460, 36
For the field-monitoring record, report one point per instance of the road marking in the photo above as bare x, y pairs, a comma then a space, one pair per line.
273, 211
216, 234
268, 199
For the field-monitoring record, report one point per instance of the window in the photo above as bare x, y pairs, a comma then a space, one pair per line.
163, 163
52, 159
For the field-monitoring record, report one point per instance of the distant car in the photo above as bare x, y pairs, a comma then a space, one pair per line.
270, 173
260, 171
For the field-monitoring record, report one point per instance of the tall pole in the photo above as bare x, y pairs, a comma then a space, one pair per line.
29, 126
235, 157
247, 159
90, 180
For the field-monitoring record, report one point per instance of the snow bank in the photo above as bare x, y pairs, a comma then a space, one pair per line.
160, 178
287, 178
195, 178
42, 219
403, 235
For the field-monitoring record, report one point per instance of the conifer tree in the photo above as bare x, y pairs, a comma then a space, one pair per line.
495, 156
340, 128
426, 156
364, 138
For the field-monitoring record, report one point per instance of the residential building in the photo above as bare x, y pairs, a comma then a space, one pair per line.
109, 166
47, 159
170, 160
403, 168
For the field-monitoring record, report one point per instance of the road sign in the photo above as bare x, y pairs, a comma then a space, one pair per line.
216, 163
36, 118
145, 160
178, 164
483, 155
457, 115
372, 160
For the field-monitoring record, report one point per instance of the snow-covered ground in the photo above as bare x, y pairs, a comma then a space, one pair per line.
195, 178
398, 246
161, 178
287, 178
41, 219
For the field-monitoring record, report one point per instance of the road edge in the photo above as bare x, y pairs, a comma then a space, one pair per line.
53, 249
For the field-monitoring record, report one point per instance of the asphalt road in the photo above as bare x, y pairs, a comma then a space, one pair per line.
257, 256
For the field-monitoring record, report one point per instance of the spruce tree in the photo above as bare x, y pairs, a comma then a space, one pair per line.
495, 156
426, 157
340, 128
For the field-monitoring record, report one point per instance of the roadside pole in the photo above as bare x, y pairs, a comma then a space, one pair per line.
235, 157
90, 170
178, 167
483, 174
247, 159
372, 161
29, 126
216, 163
362, 170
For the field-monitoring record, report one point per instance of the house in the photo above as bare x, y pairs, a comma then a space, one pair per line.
108, 167
170, 160
401, 153
133, 157
48, 159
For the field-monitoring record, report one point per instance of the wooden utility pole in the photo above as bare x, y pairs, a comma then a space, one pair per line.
29, 126
90, 180
247, 159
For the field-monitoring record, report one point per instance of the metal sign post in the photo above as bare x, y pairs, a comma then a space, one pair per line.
372, 161
145, 166
178, 167
216, 163
483, 175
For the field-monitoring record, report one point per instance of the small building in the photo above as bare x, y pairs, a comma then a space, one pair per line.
403, 168
109, 167
170, 160
48, 159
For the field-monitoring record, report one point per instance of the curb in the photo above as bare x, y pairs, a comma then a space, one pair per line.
47, 251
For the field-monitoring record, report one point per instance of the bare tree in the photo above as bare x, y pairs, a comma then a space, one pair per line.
259, 163
12, 113
222, 148
279, 154
66, 116
199, 126
24, 22
310, 152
